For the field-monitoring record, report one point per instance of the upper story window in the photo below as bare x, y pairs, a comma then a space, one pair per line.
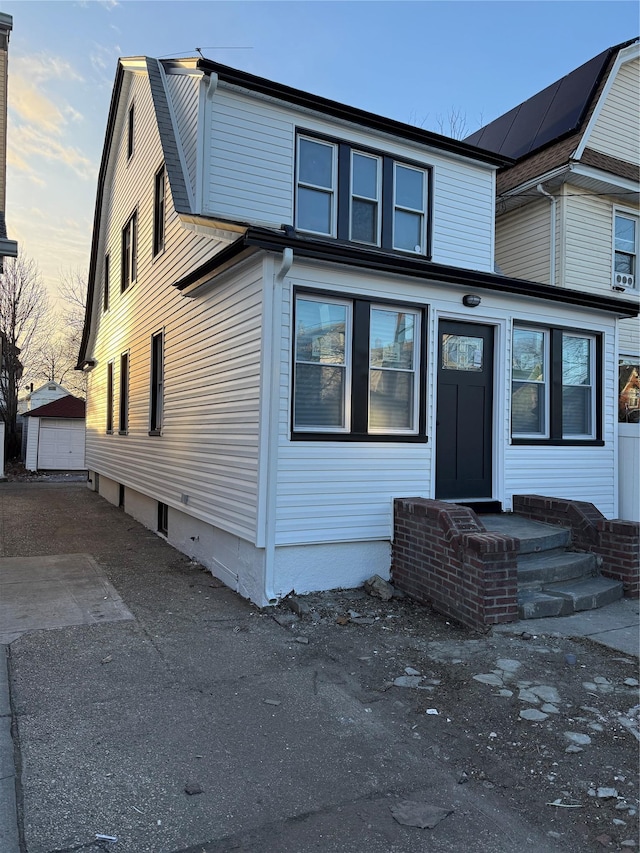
357, 368
158, 211
625, 250
129, 252
130, 127
157, 370
105, 292
555, 388
361, 196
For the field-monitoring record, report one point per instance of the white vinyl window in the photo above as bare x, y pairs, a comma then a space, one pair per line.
322, 361
365, 219
530, 383
316, 187
625, 250
409, 209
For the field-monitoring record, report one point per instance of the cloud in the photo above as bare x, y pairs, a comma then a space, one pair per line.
41, 67
35, 108
28, 143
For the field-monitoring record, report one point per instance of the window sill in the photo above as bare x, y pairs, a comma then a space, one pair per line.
108, 432
155, 432
352, 436
557, 442
123, 432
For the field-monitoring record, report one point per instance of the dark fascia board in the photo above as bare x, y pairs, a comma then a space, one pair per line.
244, 80
340, 253
113, 109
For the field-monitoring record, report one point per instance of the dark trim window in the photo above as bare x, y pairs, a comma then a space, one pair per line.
110, 397
163, 518
555, 389
358, 369
157, 368
124, 393
361, 196
158, 211
130, 127
105, 292
625, 250
129, 252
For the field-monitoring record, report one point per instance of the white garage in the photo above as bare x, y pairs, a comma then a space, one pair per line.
56, 436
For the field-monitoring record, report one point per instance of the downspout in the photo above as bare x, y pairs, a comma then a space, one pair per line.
552, 234
271, 595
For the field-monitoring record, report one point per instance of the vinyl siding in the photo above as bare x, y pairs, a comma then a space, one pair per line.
183, 92
207, 453
332, 491
617, 128
523, 240
251, 166
588, 241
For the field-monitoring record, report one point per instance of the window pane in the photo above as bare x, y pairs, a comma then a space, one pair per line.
314, 210
364, 221
629, 391
623, 263
407, 231
576, 411
625, 234
528, 355
409, 188
392, 336
528, 415
316, 163
390, 400
319, 396
320, 332
576, 361
365, 176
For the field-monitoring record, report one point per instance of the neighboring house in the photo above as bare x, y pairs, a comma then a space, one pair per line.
293, 318
56, 436
567, 210
44, 394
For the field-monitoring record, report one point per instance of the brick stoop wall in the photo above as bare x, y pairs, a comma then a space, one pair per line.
615, 541
443, 555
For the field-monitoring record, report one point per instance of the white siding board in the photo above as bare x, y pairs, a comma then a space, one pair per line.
523, 242
588, 241
617, 128
211, 353
251, 175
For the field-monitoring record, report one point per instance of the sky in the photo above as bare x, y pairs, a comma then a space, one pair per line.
416, 61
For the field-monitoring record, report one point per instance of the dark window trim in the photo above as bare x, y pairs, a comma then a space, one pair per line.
129, 258
110, 398
163, 518
360, 359
123, 418
156, 383
159, 211
106, 283
342, 194
555, 438
131, 131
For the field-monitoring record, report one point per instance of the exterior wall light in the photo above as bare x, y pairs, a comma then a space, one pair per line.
471, 300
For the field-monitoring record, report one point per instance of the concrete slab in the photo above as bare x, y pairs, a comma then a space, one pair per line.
9, 841
616, 626
54, 592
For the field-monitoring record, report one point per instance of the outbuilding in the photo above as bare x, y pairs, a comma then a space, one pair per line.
55, 439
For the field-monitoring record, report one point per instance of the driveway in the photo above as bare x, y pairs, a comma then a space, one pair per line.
181, 719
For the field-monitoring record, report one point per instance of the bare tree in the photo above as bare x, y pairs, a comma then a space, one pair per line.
23, 312
454, 124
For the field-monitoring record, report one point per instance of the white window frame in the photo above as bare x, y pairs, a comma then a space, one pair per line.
377, 199
332, 192
347, 366
545, 382
399, 309
633, 215
422, 212
592, 385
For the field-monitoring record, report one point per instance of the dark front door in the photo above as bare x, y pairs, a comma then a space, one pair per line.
464, 415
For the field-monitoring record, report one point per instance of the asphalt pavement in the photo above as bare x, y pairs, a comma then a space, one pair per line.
146, 708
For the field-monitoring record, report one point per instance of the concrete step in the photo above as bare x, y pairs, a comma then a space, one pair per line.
534, 536
564, 599
536, 571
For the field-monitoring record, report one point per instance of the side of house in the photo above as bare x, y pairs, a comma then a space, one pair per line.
293, 318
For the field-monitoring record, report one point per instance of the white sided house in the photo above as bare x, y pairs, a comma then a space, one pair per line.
56, 435
293, 318
567, 209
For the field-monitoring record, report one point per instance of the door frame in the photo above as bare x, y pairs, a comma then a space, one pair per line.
501, 422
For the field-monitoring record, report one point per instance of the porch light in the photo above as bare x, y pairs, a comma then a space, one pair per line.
471, 300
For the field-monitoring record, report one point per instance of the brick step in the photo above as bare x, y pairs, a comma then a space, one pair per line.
536, 571
535, 536
566, 598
